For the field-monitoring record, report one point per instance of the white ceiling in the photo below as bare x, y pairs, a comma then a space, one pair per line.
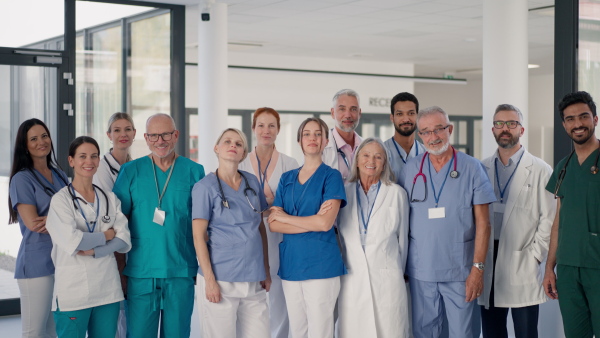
437, 36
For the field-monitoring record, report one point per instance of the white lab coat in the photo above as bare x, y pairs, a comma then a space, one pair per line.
525, 236
373, 296
104, 177
84, 281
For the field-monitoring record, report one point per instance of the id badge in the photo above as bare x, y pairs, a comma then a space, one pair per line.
159, 216
363, 239
499, 207
437, 213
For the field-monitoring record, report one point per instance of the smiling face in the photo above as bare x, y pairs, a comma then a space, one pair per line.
160, 125
38, 142
313, 140
370, 161
266, 129
346, 113
230, 147
439, 139
505, 137
405, 117
121, 134
85, 161
579, 122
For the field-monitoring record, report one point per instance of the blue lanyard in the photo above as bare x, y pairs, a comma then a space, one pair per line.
398, 150
502, 191
81, 211
365, 225
262, 176
437, 198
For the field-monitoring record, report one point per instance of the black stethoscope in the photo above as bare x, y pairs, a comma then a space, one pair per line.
49, 190
75, 200
454, 174
246, 189
563, 171
113, 170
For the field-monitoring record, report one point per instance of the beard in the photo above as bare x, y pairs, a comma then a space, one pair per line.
437, 152
406, 132
509, 143
349, 129
585, 139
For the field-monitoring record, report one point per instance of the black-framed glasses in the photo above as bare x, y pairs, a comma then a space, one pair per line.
436, 131
509, 124
164, 136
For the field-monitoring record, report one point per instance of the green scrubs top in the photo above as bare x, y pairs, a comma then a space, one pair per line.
159, 251
579, 223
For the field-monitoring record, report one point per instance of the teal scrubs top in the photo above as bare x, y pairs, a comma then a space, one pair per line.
579, 220
159, 251
310, 255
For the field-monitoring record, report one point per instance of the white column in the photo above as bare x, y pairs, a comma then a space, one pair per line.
505, 58
212, 80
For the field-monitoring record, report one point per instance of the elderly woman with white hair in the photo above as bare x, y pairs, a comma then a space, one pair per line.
374, 240
231, 245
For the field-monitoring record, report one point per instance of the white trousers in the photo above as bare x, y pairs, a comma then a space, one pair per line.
280, 324
36, 304
241, 313
310, 305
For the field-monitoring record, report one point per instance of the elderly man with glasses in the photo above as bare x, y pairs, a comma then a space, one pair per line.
521, 221
155, 194
449, 230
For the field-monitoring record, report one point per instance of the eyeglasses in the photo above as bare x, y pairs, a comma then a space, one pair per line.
436, 131
509, 124
165, 136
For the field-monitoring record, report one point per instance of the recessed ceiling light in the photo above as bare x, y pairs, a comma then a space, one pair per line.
530, 66
470, 40
359, 55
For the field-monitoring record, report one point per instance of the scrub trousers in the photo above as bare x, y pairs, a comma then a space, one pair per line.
169, 301
579, 300
242, 312
36, 305
429, 299
98, 322
310, 305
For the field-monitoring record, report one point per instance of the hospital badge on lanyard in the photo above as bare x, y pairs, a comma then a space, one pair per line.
159, 214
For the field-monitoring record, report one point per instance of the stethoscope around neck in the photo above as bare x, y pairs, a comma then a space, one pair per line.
563, 172
454, 174
246, 189
48, 189
75, 200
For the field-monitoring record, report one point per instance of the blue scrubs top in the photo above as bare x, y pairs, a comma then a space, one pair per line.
441, 249
33, 259
310, 255
398, 157
235, 244
159, 251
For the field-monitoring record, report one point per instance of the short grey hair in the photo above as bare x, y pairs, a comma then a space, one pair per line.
430, 111
509, 107
242, 136
161, 115
347, 92
387, 175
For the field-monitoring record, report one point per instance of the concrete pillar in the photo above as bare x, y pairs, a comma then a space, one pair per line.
212, 80
505, 58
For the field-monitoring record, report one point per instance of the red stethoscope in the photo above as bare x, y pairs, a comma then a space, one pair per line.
453, 174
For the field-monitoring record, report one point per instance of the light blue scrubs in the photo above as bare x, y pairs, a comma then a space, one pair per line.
310, 255
235, 244
162, 262
398, 156
33, 259
440, 254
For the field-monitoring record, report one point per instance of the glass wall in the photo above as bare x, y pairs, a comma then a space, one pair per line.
47, 17
589, 49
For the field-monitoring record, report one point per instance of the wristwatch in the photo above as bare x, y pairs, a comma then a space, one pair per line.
479, 265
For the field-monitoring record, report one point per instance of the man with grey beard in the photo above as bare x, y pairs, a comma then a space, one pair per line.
521, 221
449, 193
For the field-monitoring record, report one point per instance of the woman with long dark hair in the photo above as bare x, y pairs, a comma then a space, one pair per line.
35, 177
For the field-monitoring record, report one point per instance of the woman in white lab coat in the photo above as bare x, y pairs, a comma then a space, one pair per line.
374, 238
267, 164
86, 226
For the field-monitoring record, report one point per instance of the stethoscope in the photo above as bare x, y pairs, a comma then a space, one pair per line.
454, 174
49, 190
248, 188
342, 154
113, 170
77, 205
398, 150
563, 171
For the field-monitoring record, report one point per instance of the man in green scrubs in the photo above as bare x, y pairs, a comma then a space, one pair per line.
155, 194
575, 241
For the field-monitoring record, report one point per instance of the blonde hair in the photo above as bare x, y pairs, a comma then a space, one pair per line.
120, 116
242, 136
387, 175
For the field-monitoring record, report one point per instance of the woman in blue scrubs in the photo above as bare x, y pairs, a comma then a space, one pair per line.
34, 179
234, 278
306, 204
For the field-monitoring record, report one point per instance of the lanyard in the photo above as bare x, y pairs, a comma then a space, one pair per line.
365, 225
82, 214
262, 176
161, 195
502, 191
437, 198
398, 150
